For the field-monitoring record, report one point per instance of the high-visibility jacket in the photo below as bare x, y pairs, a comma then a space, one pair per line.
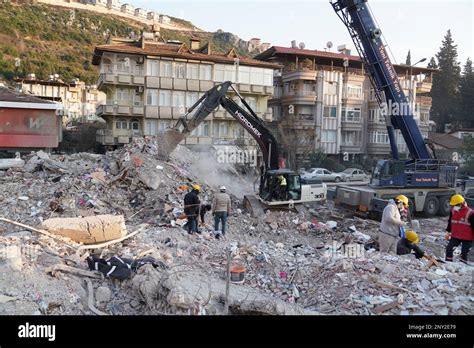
282, 180
460, 223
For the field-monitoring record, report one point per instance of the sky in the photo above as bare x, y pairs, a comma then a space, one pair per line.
416, 25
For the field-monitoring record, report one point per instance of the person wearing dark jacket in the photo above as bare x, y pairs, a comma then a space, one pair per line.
460, 228
191, 208
408, 244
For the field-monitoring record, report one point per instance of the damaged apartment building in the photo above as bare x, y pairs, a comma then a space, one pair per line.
151, 83
324, 101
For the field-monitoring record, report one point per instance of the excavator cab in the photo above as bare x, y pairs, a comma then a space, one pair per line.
272, 192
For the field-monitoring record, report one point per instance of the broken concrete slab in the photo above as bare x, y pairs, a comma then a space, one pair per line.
88, 230
150, 179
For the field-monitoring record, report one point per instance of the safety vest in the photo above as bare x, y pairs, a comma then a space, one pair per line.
282, 180
460, 224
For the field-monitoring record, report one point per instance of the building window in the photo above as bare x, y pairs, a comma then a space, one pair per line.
350, 114
191, 98
150, 127
152, 97
328, 136
153, 68
219, 73
122, 96
223, 129
202, 130
277, 92
351, 138
375, 116
162, 125
121, 124
205, 72
330, 88
192, 71
268, 77
166, 69
165, 98
305, 113
330, 111
378, 137
252, 101
309, 87
354, 91
135, 125
244, 74
257, 76
178, 99
179, 70
123, 65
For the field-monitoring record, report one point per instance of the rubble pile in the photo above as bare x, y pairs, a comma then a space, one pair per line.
319, 260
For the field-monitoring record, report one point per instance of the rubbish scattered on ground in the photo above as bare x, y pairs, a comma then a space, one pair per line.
317, 261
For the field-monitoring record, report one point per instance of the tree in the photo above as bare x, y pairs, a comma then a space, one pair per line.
408, 61
445, 84
467, 153
432, 64
466, 97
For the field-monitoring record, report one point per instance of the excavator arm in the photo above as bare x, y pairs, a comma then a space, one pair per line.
217, 96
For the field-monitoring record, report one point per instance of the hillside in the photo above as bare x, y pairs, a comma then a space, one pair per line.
51, 40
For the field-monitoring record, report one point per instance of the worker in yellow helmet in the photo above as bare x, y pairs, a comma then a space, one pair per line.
408, 243
191, 208
403, 205
460, 228
390, 225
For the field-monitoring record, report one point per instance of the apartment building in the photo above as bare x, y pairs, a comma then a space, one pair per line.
164, 19
114, 5
140, 12
150, 84
153, 16
324, 101
128, 9
79, 101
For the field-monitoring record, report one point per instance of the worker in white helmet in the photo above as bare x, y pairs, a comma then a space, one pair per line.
221, 205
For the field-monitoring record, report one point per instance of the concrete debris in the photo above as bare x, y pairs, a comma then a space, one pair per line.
316, 261
88, 230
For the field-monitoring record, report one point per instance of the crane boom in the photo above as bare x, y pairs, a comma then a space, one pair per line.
356, 15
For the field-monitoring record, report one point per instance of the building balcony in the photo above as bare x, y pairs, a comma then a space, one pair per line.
116, 136
378, 149
424, 86
351, 147
301, 74
425, 102
299, 97
119, 110
120, 79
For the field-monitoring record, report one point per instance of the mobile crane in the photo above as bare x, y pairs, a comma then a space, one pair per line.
426, 181
268, 195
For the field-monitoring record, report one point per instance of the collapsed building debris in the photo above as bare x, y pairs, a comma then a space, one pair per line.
316, 261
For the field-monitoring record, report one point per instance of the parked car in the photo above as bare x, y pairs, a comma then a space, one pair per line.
323, 175
354, 174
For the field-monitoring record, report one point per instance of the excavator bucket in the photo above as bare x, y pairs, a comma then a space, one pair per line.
168, 140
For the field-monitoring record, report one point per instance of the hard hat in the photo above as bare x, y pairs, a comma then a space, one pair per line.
402, 199
457, 199
196, 187
222, 188
412, 236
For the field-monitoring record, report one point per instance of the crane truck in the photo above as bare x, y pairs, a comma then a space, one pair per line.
268, 194
426, 181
